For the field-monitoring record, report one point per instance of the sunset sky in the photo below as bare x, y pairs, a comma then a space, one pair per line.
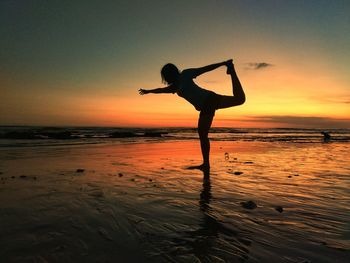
81, 63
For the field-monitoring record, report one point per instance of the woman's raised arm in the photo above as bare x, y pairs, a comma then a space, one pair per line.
169, 89
199, 71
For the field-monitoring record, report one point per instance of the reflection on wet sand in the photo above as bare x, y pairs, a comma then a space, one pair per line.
139, 203
206, 241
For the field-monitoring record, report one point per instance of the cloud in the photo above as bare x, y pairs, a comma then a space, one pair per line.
340, 99
337, 101
301, 122
258, 65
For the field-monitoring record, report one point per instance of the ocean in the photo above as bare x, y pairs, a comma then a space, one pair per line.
31, 136
99, 194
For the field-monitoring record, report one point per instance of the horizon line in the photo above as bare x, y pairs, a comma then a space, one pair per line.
166, 127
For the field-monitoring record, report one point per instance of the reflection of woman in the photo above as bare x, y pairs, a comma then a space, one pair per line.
205, 195
214, 239
205, 101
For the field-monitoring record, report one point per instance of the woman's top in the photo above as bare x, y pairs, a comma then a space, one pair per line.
188, 90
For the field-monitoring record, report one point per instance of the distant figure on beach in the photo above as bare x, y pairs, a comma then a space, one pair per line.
205, 101
326, 136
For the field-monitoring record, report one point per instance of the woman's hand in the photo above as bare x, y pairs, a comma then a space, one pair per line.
143, 91
229, 62
230, 67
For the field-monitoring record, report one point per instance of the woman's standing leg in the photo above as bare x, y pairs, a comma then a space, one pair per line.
204, 124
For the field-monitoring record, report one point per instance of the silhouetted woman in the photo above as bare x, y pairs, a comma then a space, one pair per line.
205, 101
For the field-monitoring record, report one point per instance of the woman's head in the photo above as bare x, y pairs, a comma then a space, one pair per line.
170, 73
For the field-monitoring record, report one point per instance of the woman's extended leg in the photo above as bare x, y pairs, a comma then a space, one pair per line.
238, 97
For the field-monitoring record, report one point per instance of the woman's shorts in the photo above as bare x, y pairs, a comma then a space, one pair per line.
211, 104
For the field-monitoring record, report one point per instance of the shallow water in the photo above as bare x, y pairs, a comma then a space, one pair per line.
36, 136
138, 203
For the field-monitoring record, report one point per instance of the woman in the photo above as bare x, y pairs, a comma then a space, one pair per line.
205, 101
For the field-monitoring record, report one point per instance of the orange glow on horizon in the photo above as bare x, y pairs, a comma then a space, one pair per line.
274, 91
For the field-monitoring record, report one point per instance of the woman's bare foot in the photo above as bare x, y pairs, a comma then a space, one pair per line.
202, 167
230, 68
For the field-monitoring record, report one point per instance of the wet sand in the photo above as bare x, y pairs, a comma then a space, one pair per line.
138, 203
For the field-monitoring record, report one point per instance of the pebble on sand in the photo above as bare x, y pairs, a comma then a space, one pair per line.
104, 233
120, 175
289, 176
25, 177
249, 162
227, 156
59, 248
80, 170
249, 204
279, 209
238, 173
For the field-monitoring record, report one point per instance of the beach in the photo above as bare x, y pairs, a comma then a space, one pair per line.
137, 202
